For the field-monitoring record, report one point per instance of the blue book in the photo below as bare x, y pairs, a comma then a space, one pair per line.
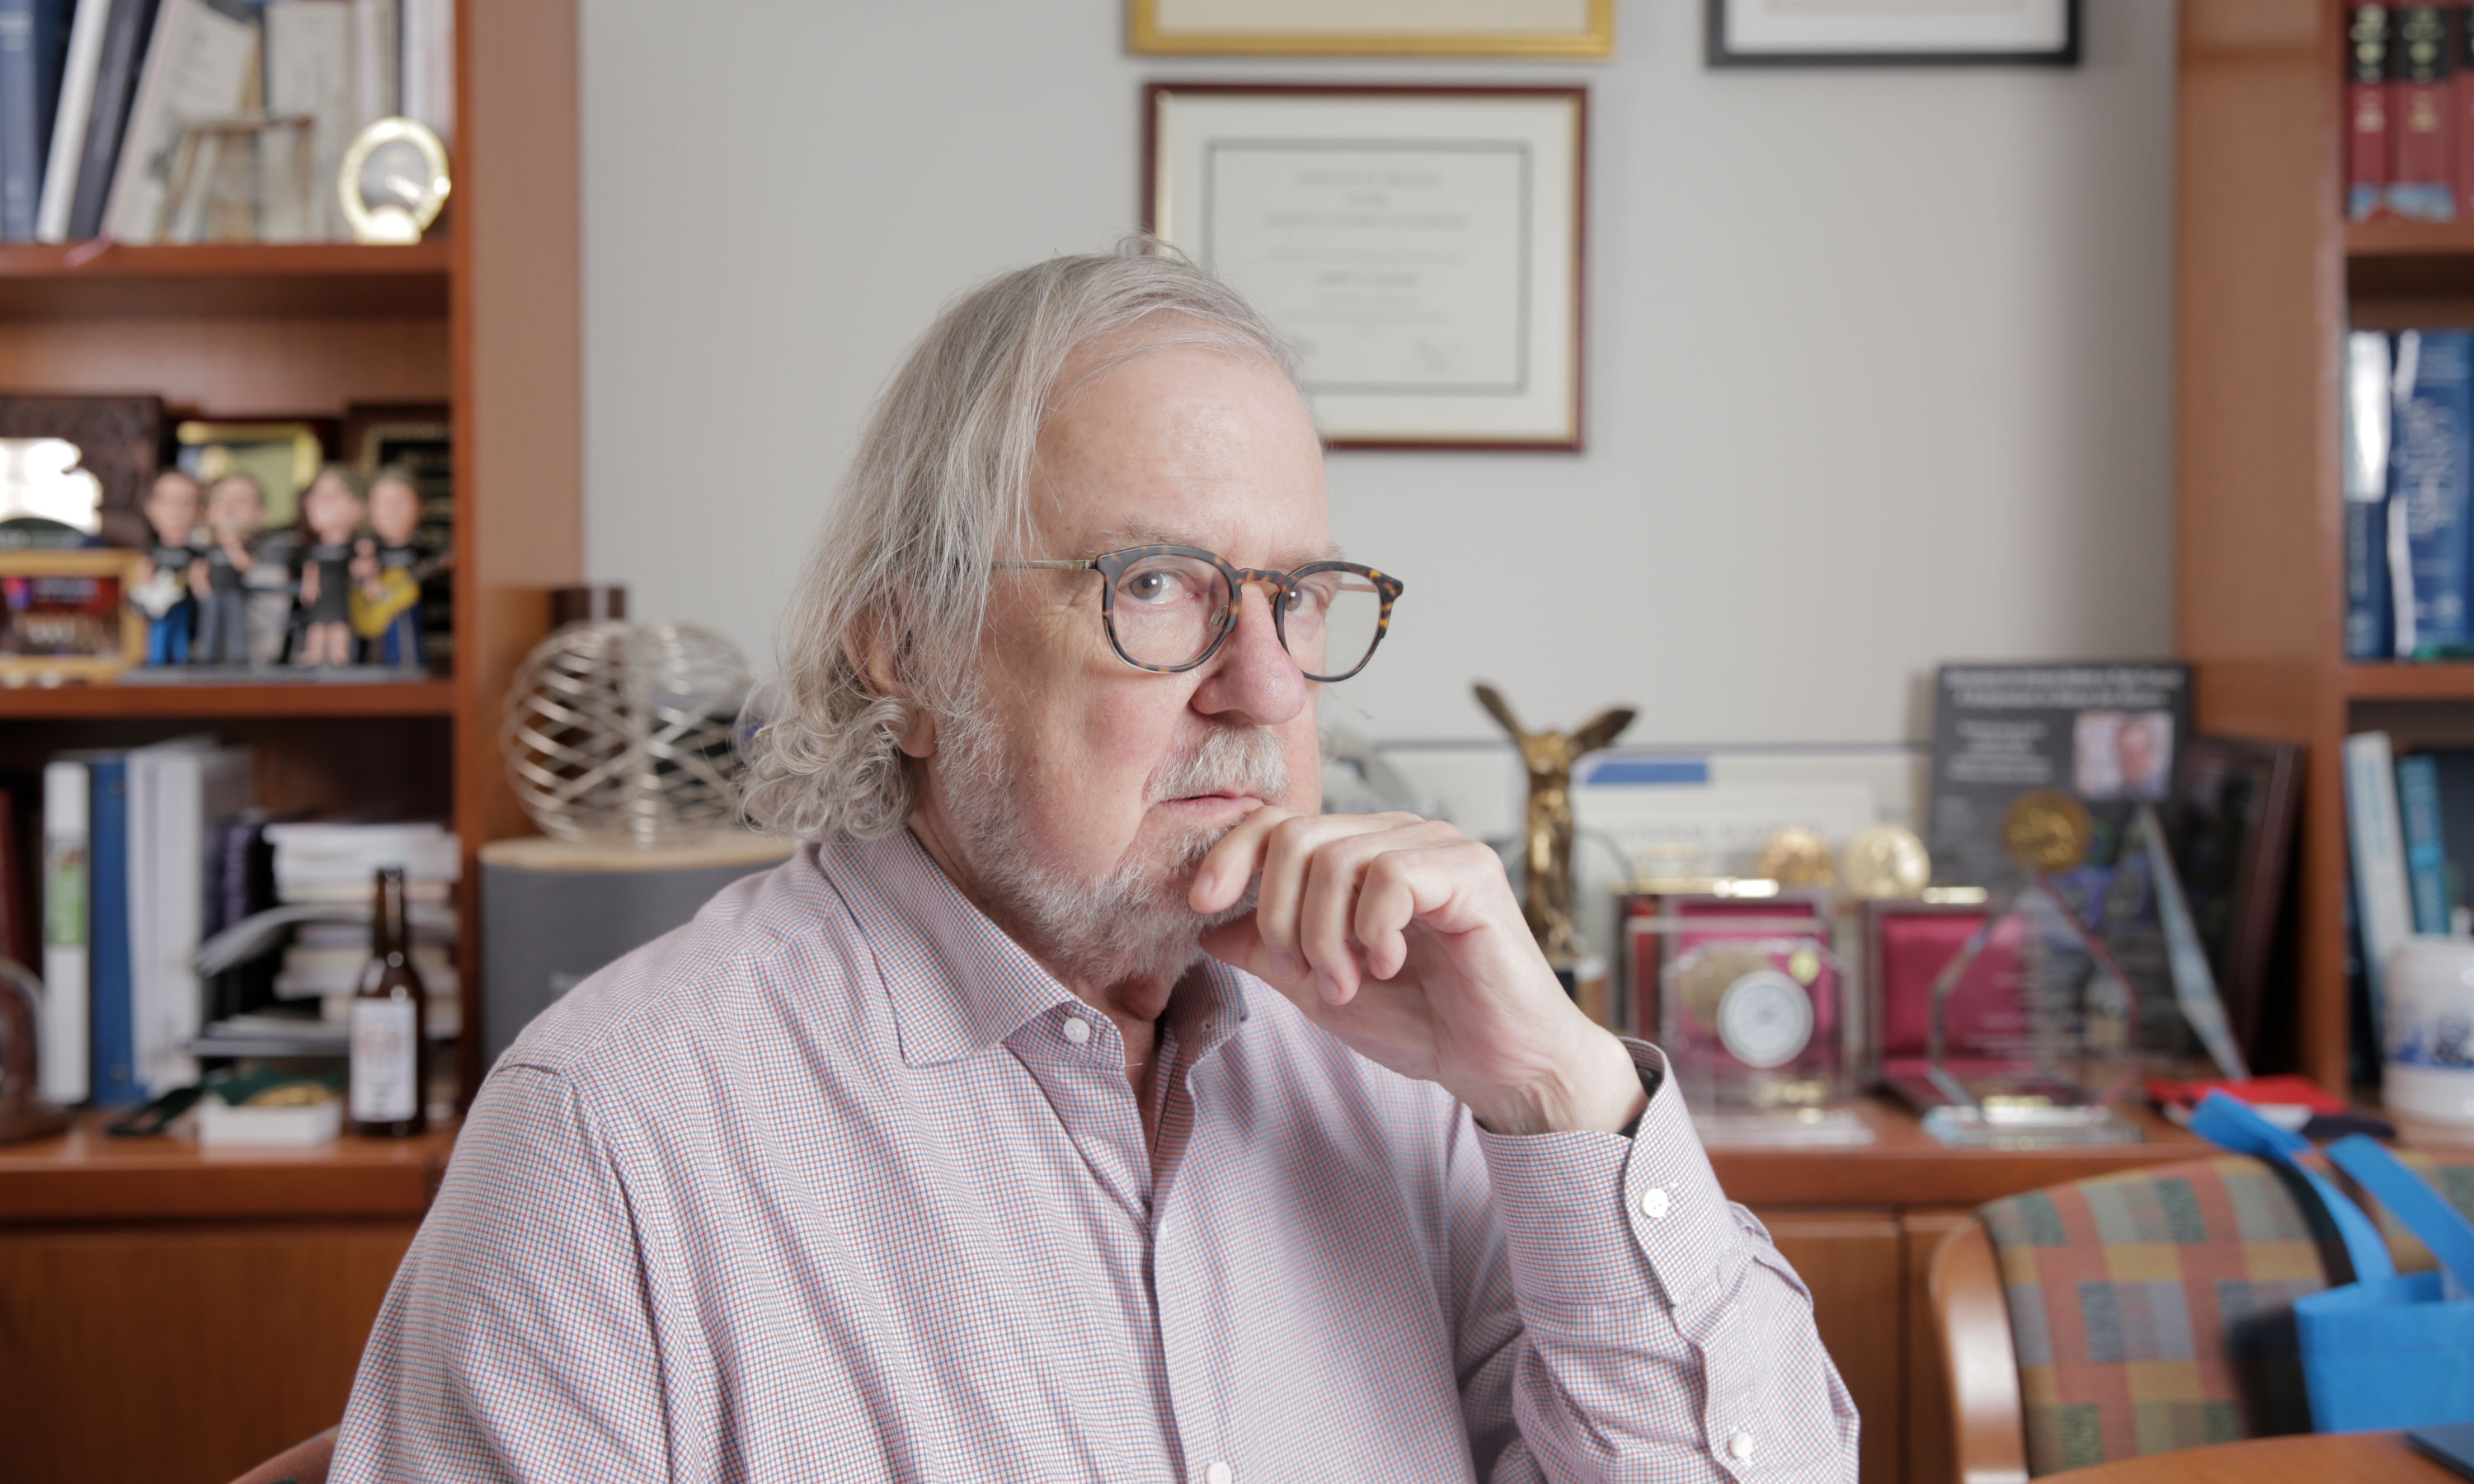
34, 52
2429, 477
110, 980
2426, 851
2371, 627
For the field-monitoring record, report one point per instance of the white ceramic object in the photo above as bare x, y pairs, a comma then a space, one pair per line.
2429, 1056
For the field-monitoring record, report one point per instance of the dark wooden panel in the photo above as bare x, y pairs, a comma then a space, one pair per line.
353, 767
182, 1355
1850, 1260
233, 366
1930, 1456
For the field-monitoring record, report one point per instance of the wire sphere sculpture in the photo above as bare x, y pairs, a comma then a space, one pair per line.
622, 731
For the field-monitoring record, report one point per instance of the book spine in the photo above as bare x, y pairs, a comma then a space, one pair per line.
78, 65
2369, 632
2423, 169
2431, 484
19, 166
2381, 898
2367, 55
65, 895
114, 1035
115, 84
2461, 46
2426, 854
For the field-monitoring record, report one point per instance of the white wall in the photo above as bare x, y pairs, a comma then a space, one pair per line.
1879, 360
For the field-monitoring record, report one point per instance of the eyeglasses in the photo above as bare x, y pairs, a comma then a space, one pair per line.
1168, 608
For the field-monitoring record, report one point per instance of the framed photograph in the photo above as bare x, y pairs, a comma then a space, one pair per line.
1421, 248
1372, 28
1893, 32
283, 457
65, 615
2236, 808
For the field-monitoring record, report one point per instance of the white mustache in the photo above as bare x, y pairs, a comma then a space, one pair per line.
1229, 760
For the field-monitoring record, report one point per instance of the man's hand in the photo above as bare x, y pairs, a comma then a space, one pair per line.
1401, 937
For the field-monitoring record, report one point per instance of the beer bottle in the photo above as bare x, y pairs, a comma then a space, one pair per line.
390, 1024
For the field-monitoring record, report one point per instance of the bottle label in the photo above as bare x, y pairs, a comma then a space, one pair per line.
386, 1061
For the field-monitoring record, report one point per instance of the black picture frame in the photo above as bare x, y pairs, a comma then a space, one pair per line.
2235, 822
1720, 54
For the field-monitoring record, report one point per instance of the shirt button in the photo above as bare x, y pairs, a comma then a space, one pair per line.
1217, 1473
1740, 1448
1076, 1029
1654, 1203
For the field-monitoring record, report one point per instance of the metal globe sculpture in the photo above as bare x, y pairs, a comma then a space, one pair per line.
622, 733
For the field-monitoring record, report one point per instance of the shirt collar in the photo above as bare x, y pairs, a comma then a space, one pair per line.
958, 983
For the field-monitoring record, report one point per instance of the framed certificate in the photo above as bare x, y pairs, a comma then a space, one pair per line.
1373, 28
1892, 33
1419, 247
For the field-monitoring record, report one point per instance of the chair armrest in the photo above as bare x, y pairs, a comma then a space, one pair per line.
1979, 1361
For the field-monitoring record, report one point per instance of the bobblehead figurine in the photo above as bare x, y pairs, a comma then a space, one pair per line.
173, 504
235, 509
333, 508
387, 569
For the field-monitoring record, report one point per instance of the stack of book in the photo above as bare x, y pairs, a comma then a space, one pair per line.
332, 864
148, 853
99, 100
2408, 111
2409, 494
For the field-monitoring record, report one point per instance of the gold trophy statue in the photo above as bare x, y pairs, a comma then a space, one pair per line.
1547, 893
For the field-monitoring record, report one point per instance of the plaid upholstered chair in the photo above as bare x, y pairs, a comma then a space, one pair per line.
2138, 1312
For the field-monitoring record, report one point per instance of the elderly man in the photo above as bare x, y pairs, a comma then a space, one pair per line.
1080, 1103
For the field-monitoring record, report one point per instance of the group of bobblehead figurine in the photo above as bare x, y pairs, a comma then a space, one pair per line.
344, 589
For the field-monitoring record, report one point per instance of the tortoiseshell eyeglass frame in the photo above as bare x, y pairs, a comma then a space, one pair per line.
1111, 565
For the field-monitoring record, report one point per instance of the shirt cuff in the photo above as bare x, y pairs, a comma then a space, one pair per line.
1582, 1206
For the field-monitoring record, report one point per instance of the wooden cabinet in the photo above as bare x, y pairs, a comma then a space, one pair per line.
176, 1315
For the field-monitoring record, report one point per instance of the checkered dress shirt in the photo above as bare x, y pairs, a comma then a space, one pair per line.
835, 1182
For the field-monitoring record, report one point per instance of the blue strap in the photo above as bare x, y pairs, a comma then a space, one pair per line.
2409, 1198
2230, 1123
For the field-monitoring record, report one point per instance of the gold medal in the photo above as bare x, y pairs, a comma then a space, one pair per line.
2047, 830
1888, 861
1797, 857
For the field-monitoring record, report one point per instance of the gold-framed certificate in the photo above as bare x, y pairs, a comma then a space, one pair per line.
1421, 248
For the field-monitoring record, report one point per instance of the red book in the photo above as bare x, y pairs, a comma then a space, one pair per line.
2366, 111
2422, 168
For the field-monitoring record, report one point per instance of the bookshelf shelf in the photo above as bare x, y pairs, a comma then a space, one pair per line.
2391, 237
107, 281
272, 699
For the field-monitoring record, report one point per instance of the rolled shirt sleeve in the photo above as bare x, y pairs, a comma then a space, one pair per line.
1658, 1330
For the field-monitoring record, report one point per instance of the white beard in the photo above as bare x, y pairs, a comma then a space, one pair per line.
1135, 922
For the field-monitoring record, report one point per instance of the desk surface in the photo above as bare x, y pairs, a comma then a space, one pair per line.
84, 1175
2355, 1457
1906, 1166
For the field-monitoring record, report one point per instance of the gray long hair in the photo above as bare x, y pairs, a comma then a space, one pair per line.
941, 482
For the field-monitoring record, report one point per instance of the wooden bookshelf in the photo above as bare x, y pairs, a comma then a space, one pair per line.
484, 316
2269, 278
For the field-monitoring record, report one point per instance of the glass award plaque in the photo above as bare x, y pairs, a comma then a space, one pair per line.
2035, 1028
